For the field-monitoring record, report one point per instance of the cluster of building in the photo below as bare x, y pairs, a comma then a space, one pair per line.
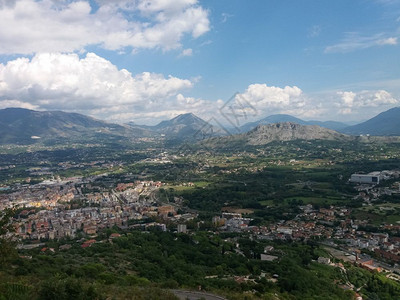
309, 224
65, 208
39, 196
329, 224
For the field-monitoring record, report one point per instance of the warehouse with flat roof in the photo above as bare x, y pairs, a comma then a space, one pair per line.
371, 178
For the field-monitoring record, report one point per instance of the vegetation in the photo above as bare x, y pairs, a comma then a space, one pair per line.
146, 262
269, 183
7, 245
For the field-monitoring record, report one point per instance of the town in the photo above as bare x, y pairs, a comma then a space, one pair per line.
351, 213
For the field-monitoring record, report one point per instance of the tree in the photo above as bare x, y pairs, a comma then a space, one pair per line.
5, 222
7, 245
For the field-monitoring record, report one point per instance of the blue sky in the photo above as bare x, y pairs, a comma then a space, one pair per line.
151, 60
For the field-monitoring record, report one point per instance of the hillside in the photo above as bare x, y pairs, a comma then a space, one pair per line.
287, 131
385, 124
23, 126
187, 127
281, 118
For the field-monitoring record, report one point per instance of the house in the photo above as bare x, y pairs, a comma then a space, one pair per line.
324, 260
88, 243
114, 235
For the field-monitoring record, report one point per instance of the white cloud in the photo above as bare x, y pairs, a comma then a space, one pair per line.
388, 41
260, 100
31, 26
265, 97
347, 98
354, 41
64, 81
187, 52
355, 103
93, 85
163, 5
16, 103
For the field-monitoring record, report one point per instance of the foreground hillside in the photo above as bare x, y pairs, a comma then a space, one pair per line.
145, 265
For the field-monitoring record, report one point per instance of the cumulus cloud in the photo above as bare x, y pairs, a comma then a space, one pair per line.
354, 41
366, 99
270, 99
65, 81
29, 26
260, 100
351, 102
93, 85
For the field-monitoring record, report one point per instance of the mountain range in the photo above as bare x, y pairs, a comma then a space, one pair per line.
23, 126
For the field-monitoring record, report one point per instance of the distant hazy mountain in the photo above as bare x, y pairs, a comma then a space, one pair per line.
142, 130
334, 125
23, 126
187, 126
287, 131
281, 118
384, 124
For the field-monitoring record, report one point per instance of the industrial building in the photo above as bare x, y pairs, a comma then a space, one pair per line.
371, 178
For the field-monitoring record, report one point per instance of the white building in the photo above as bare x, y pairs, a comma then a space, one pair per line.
182, 228
371, 178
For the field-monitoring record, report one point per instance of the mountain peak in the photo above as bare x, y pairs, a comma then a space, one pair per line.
186, 117
187, 126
